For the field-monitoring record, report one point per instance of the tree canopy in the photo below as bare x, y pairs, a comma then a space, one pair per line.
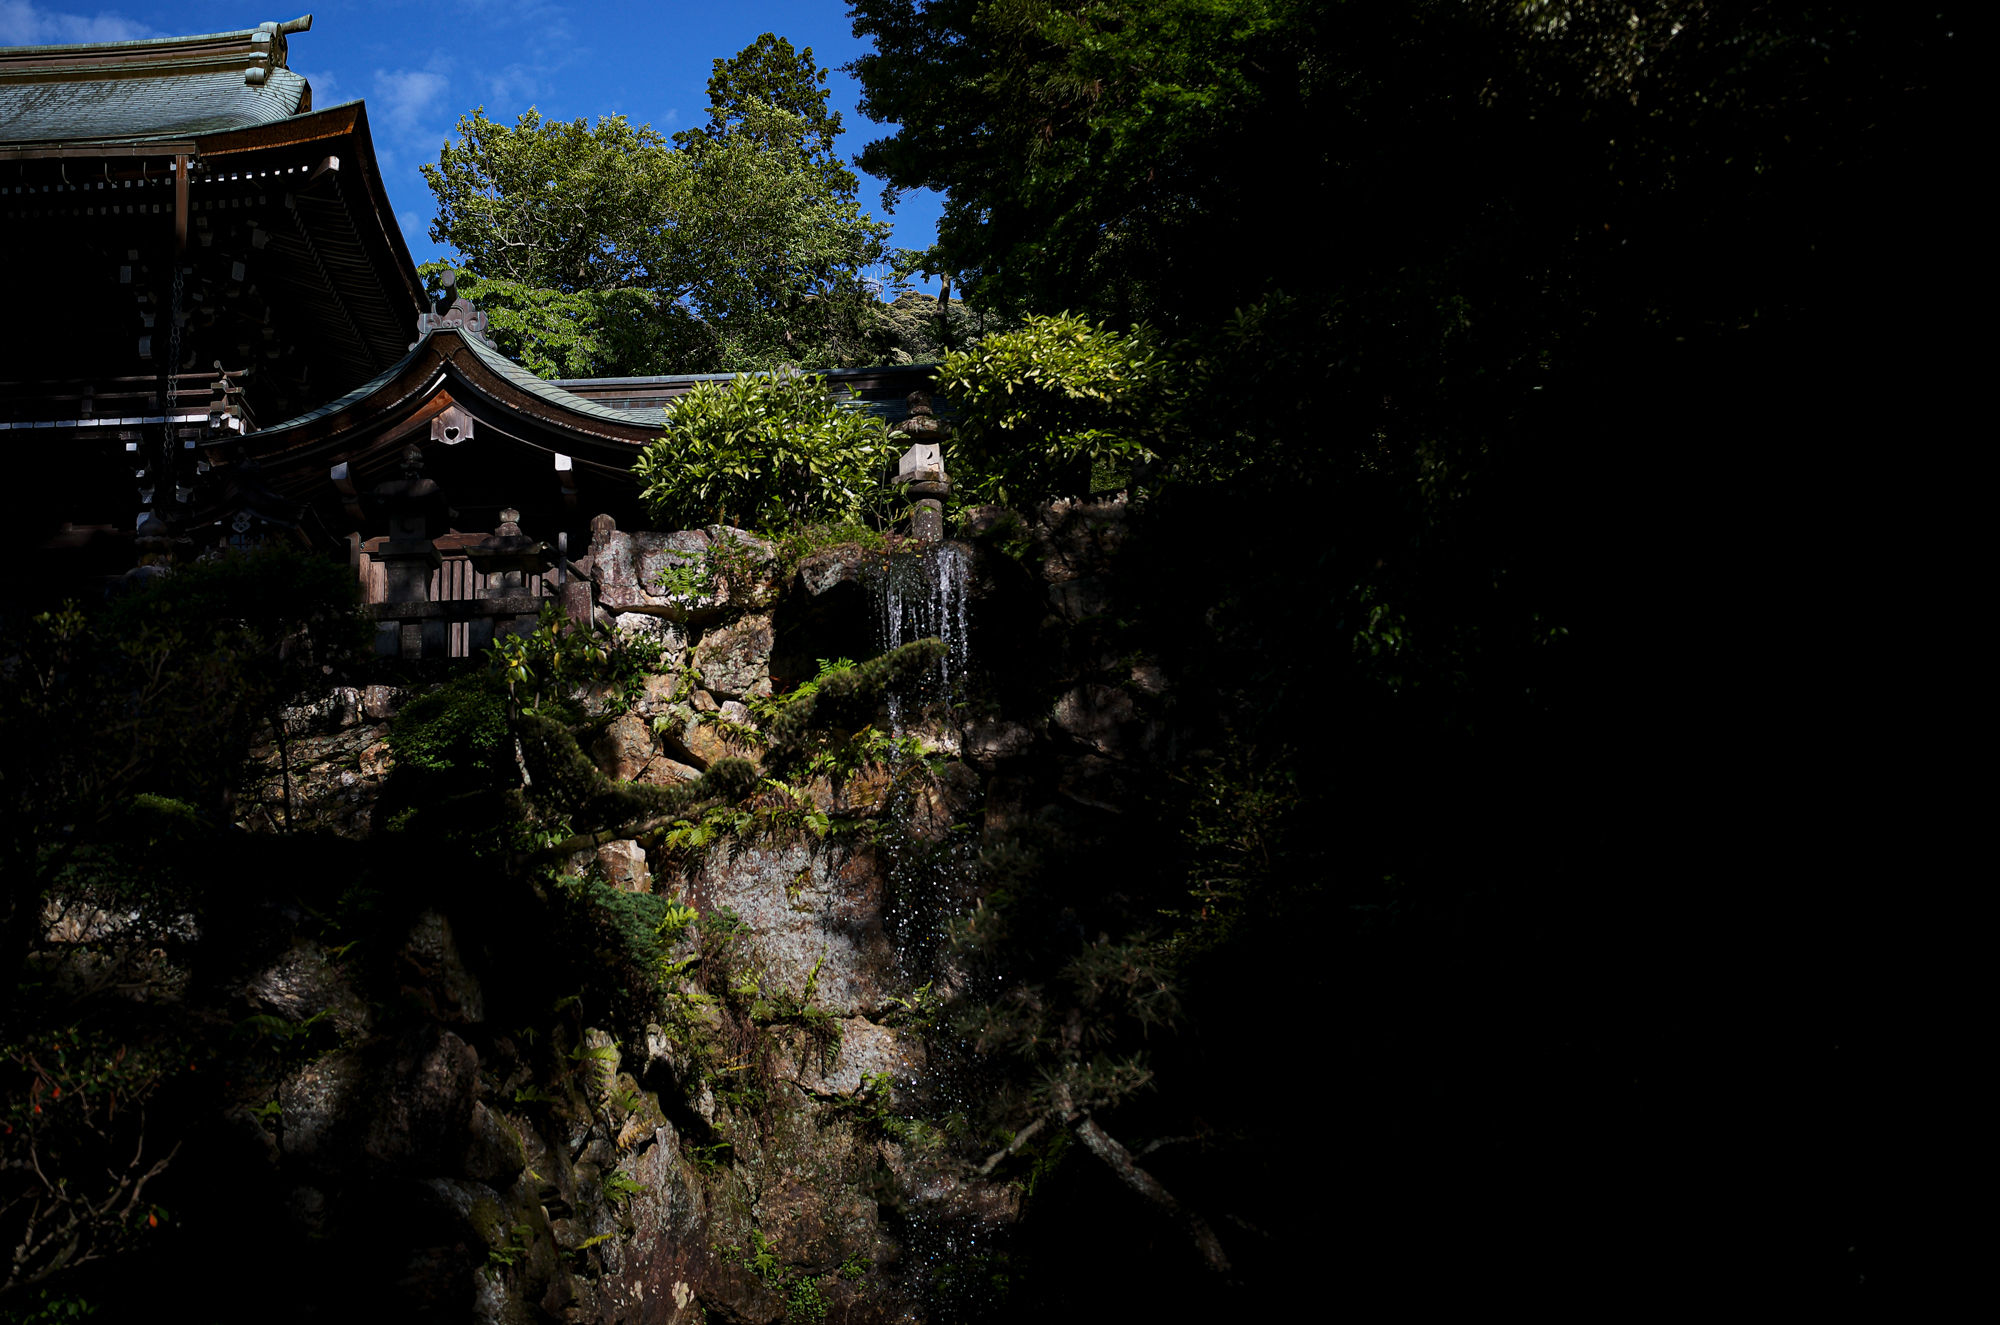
1495, 334
607, 249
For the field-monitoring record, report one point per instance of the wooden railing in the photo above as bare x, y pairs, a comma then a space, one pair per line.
463, 614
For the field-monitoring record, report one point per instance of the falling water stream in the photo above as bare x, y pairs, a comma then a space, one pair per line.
925, 596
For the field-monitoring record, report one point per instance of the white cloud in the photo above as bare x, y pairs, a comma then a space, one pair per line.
23, 23
406, 96
515, 85
324, 86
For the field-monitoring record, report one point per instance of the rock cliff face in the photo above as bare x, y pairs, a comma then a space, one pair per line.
758, 1139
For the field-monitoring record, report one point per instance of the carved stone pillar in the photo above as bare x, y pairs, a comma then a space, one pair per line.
921, 468
408, 558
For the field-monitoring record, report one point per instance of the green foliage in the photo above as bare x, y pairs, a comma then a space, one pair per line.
58, 1081
675, 921
1087, 151
845, 700
709, 1158
520, 1239
770, 72
1238, 824
805, 1302
606, 250
770, 451
552, 205
556, 333
628, 928
761, 1259
770, 706
796, 542
559, 656
134, 721
73, 1141
921, 1012
460, 728
1057, 408
620, 1188
43, 1307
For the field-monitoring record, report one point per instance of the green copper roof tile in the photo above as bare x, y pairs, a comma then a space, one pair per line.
124, 109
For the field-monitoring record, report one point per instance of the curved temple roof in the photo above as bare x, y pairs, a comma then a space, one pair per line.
275, 213
417, 373
131, 91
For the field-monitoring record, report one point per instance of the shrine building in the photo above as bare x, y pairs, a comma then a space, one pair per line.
219, 338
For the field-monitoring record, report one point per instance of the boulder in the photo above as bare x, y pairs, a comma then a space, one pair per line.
431, 970
379, 703
830, 567
865, 791
748, 563
657, 696
1073, 539
703, 743
994, 740
940, 800
1078, 599
993, 522
1095, 782
627, 569
624, 864
304, 981
652, 1270
866, 1050
654, 630
1007, 807
377, 760
665, 772
735, 660
398, 1106
1100, 716
625, 748
495, 1152
1149, 678
806, 906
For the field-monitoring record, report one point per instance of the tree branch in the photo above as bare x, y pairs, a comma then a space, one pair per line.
1105, 1148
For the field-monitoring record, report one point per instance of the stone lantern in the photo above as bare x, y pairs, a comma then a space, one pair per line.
508, 556
922, 467
408, 558
155, 545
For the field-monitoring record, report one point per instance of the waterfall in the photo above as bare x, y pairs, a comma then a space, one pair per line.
923, 596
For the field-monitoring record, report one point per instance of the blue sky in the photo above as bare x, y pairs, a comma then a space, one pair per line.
421, 66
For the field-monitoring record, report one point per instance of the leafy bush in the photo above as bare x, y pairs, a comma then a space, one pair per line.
801, 541
1058, 408
565, 333
543, 666
766, 451
460, 726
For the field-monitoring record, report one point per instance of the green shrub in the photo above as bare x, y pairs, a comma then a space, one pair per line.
459, 728
1059, 408
768, 452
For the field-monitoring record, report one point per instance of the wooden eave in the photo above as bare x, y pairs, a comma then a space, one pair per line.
154, 58
367, 431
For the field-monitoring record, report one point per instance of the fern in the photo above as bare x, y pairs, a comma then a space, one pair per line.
618, 1189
